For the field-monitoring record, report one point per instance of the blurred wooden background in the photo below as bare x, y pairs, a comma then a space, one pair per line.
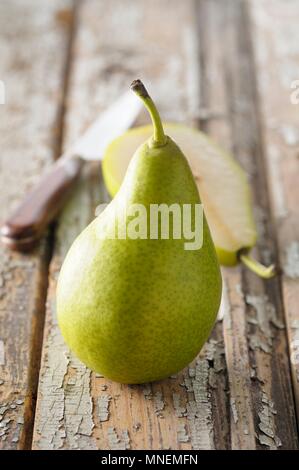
226, 66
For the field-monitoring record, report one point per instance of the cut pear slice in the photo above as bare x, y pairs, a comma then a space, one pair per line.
222, 185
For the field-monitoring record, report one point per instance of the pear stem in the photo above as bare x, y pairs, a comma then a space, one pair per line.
266, 272
159, 138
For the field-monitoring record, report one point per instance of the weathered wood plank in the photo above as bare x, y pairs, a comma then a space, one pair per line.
33, 49
77, 408
210, 114
276, 50
258, 371
271, 389
180, 412
212, 16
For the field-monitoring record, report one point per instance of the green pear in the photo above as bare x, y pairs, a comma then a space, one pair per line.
138, 308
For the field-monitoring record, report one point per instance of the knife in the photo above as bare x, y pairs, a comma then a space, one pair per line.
40, 206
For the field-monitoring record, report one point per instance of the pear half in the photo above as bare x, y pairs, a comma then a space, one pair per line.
221, 182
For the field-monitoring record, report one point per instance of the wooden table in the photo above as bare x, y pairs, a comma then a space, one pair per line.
226, 66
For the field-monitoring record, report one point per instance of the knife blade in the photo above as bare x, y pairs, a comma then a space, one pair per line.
117, 119
40, 206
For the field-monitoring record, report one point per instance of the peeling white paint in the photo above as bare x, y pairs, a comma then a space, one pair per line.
201, 426
50, 426
180, 410
66, 410
159, 403
212, 378
7, 419
291, 265
78, 407
267, 424
187, 384
265, 317
147, 391
103, 407
214, 353
182, 433
118, 441
234, 410
257, 343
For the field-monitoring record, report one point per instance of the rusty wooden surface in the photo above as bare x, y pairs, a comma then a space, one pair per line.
227, 67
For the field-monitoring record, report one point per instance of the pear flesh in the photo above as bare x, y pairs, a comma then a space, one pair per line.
138, 310
221, 182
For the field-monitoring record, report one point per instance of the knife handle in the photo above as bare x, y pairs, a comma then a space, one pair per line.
40, 206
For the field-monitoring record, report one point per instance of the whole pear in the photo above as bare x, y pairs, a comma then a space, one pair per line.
138, 309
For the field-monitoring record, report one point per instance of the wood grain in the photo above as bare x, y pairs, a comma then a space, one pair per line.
277, 68
271, 390
178, 412
33, 44
228, 96
212, 18
197, 57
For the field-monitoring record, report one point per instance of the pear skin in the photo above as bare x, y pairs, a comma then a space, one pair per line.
139, 310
